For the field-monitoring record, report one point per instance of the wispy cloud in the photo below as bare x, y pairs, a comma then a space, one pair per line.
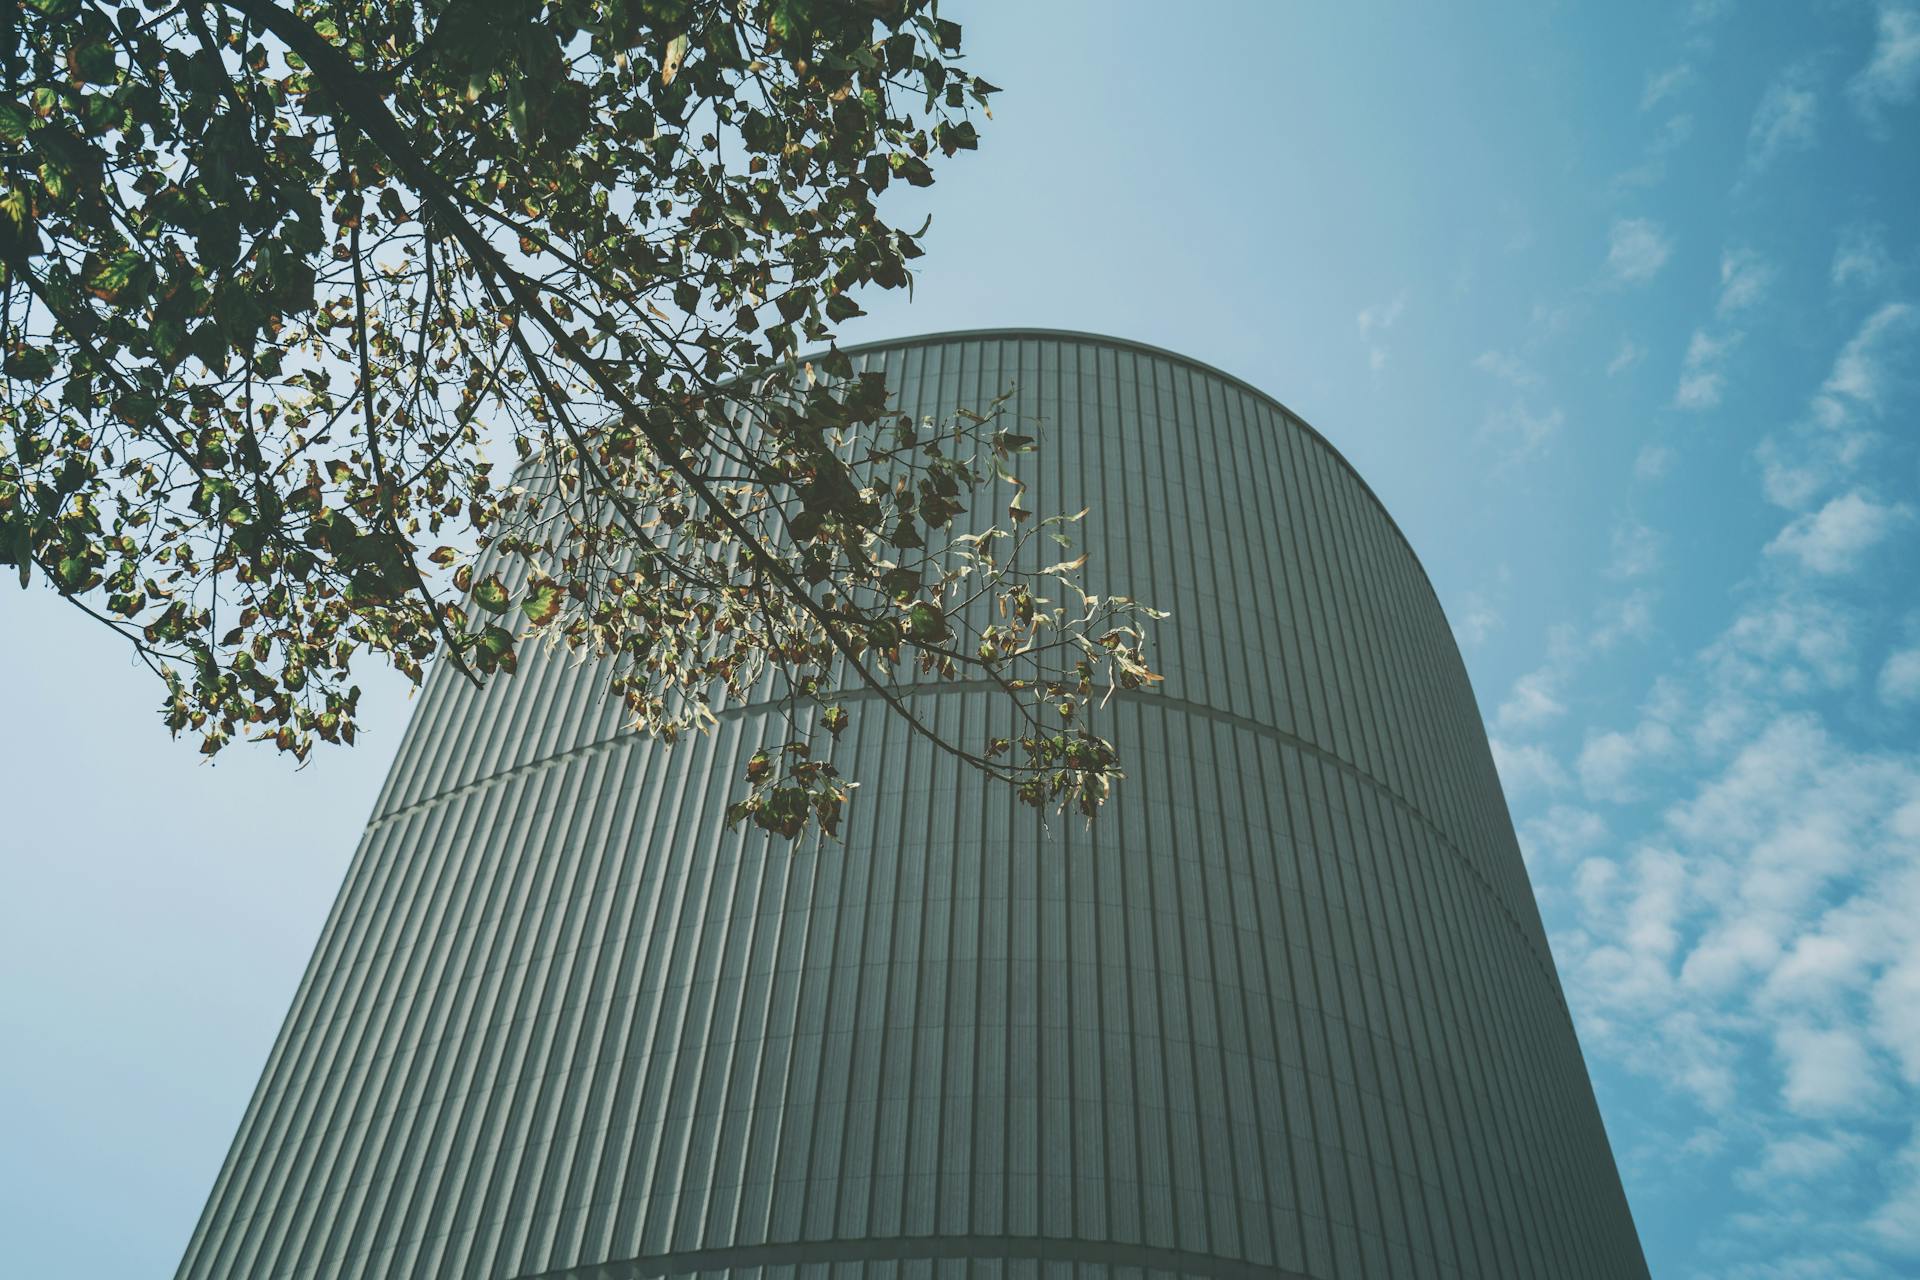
1526, 767
1829, 1071
1533, 701
1793, 829
1630, 617
1610, 761
1636, 250
1664, 84
1562, 834
1899, 683
1833, 539
1745, 277
1672, 135
1860, 371
1702, 381
1652, 462
1508, 368
1822, 451
1476, 621
1704, 13
1374, 323
1896, 1223
1788, 644
1798, 1158
1893, 73
1861, 258
1741, 873
1520, 432
1787, 118
1636, 550
1630, 354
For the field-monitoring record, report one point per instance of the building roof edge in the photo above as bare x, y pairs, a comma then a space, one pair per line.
1109, 340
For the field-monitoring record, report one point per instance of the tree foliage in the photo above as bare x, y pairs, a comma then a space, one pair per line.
289, 285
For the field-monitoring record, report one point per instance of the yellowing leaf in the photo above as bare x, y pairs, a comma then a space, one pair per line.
676, 54
542, 603
491, 594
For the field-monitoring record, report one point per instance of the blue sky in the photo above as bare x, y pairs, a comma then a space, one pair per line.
1618, 309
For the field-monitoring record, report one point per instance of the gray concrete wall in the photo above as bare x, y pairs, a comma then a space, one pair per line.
1285, 1010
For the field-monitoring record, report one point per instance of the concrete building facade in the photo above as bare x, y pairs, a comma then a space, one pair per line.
1286, 1010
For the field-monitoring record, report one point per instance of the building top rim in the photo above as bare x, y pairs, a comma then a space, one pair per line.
1132, 344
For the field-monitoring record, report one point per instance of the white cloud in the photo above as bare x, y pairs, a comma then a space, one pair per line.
1702, 382
1526, 767
1476, 621
1817, 969
1833, 539
1744, 279
1739, 927
1636, 250
1532, 702
1786, 119
1896, 1223
1562, 834
1822, 450
1859, 372
1629, 355
1893, 73
1799, 1158
1899, 683
1861, 258
1896, 989
1374, 323
1790, 479
1760, 938
1788, 645
1609, 760
1636, 550
1829, 1072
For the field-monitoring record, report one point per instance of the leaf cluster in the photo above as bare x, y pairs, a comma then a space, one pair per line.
284, 284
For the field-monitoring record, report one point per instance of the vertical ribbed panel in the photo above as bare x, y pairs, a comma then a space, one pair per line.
1286, 1010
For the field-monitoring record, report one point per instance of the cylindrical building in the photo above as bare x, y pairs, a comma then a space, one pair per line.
1285, 1010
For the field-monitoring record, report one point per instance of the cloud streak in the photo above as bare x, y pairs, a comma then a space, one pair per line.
1893, 74
1833, 539
1787, 119
1636, 250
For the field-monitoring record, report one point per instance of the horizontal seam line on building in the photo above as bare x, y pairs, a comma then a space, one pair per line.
911, 1248
1182, 705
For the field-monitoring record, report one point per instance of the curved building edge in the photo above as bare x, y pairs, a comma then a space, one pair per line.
1163, 353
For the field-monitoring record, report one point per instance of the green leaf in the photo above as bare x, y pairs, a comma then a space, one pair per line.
92, 61
14, 121
30, 364
115, 279
494, 648
926, 624
491, 594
